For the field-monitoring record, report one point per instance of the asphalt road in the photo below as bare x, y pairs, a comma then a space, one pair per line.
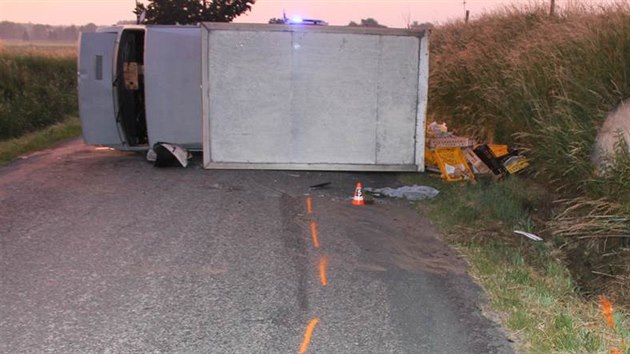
103, 253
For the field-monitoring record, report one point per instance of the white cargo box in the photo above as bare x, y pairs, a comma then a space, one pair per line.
313, 97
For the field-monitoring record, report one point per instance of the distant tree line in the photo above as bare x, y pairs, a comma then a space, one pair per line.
366, 22
38, 32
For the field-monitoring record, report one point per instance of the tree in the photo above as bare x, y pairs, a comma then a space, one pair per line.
70, 33
367, 22
170, 12
11, 30
276, 21
40, 32
423, 24
90, 27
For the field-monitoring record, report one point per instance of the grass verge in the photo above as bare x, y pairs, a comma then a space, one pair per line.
546, 84
41, 139
526, 282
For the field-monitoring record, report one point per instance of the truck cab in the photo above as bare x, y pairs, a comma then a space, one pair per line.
139, 85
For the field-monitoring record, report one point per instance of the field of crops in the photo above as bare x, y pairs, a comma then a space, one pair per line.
37, 87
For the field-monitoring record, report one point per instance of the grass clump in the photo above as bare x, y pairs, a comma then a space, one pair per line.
37, 88
527, 283
39, 140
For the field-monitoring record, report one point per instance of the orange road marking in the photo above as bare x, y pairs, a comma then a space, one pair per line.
607, 311
323, 263
307, 335
309, 205
314, 234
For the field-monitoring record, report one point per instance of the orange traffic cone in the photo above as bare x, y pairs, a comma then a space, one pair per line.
358, 195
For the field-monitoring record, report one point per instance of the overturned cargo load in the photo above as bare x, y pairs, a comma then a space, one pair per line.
260, 96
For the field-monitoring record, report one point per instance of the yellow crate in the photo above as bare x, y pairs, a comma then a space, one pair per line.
499, 150
476, 162
516, 164
429, 158
453, 164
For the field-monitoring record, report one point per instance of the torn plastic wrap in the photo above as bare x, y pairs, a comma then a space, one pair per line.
414, 192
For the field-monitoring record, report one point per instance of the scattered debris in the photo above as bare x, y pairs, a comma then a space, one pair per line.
151, 155
460, 158
528, 235
515, 164
320, 185
414, 192
477, 164
453, 164
487, 156
168, 155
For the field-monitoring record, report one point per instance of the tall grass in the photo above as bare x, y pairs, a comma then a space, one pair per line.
37, 88
546, 84
528, 285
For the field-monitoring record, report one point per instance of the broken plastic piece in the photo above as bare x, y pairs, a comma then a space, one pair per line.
528, 235
515, 164
151, 155
488, 158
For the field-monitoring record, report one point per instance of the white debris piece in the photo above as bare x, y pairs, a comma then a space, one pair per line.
528, 235
414, 192
151, 155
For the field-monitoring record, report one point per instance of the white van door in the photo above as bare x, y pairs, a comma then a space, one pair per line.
172, 76
96, 92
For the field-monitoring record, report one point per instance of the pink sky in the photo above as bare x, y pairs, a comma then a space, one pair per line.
393, 13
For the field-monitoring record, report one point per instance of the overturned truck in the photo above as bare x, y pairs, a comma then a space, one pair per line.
260, 96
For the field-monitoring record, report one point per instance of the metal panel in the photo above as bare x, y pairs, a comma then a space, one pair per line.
334, 98
298, 99
249, 78
423, 96
397, 99
96, 96
172, 74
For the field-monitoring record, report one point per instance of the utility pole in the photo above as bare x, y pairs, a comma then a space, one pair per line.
552, 8
466, 12
137, 14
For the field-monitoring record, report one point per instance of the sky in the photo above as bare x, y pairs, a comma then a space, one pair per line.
392, 13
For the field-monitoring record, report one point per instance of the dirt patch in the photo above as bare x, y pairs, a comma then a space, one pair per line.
393, 234
601, 267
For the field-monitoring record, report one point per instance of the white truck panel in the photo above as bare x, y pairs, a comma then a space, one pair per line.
172, 77
284, 97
